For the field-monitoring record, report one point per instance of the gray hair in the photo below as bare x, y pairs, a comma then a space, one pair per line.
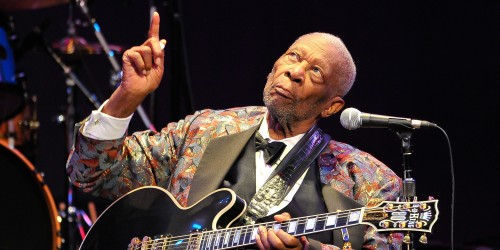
344, 67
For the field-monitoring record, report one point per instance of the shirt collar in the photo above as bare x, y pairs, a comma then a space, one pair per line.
264, 131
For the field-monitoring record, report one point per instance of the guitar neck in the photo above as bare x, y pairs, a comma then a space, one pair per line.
245, 235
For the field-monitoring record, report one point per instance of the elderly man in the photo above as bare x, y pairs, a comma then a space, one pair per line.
214, 149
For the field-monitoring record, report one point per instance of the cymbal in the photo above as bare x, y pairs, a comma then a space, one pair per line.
78, 45
13, 5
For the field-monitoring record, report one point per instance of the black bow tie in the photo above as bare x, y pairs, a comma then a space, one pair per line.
272, 150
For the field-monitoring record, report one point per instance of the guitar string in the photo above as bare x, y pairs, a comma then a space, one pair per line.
173, 241
244, 230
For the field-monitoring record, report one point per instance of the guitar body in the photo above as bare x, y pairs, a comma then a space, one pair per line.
153, 211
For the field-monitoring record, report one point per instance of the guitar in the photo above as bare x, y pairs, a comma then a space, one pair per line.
205, 225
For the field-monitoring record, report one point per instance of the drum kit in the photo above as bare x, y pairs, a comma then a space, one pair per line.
31, 210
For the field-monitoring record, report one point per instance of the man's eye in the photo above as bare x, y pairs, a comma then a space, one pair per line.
316, 70
294, 56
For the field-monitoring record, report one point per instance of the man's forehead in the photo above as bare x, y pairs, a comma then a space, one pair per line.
312, 50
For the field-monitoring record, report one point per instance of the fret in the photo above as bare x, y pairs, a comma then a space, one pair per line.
341, 220
276, 226
331, 220
192, 242
217, 240
210, 241
167, 241
251, 235
248, 234
159, 243
196, 241
354, 217
233, 239
301, 226
292, 227
320, 223
237, 236
310, 223
206, 241
285, 226
227, 238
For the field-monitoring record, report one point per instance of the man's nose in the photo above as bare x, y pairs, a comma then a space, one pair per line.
297, 72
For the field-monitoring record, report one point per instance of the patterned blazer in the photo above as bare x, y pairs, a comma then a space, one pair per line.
205, 145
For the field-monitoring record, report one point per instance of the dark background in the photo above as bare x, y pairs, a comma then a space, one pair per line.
428, 60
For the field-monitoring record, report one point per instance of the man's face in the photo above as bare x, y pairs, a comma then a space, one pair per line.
301, 84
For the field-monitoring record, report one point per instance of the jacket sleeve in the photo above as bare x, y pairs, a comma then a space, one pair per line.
366, 180
111, 168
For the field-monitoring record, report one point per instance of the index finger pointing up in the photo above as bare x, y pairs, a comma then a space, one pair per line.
154, 27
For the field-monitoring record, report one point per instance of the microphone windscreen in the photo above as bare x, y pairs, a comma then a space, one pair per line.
351, 118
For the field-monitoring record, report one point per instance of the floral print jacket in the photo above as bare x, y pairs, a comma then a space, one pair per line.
169, 159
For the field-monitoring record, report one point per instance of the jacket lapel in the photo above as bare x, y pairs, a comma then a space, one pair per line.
219, 156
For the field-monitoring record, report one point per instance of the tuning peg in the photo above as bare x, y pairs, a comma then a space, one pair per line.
134, 243
407, 239
347, 246
423, 206
146, 240
390, 206
423, 239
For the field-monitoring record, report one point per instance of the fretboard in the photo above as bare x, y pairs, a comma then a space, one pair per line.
245, 235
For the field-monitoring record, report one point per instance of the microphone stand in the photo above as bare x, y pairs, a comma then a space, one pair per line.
409, 185
117, 73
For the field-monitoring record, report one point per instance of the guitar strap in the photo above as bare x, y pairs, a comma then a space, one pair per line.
288, 171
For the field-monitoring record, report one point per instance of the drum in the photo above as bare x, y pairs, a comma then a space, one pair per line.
28, 217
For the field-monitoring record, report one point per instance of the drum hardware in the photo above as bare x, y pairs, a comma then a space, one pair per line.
71, 216
115, 80
74, 45
30, 210
20, 131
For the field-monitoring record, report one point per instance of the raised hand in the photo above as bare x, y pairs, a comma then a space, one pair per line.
143, 68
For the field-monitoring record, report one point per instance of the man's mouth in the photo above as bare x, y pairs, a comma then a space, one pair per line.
283, 92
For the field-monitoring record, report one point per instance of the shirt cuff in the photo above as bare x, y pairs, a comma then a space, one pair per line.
101, 126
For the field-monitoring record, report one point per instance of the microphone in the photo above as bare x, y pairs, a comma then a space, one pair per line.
352, 119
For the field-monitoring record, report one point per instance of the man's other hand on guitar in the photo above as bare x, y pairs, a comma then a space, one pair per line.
269, 239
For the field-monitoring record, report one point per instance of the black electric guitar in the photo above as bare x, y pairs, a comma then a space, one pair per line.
152, 211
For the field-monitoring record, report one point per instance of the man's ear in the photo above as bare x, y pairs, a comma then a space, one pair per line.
336, 104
